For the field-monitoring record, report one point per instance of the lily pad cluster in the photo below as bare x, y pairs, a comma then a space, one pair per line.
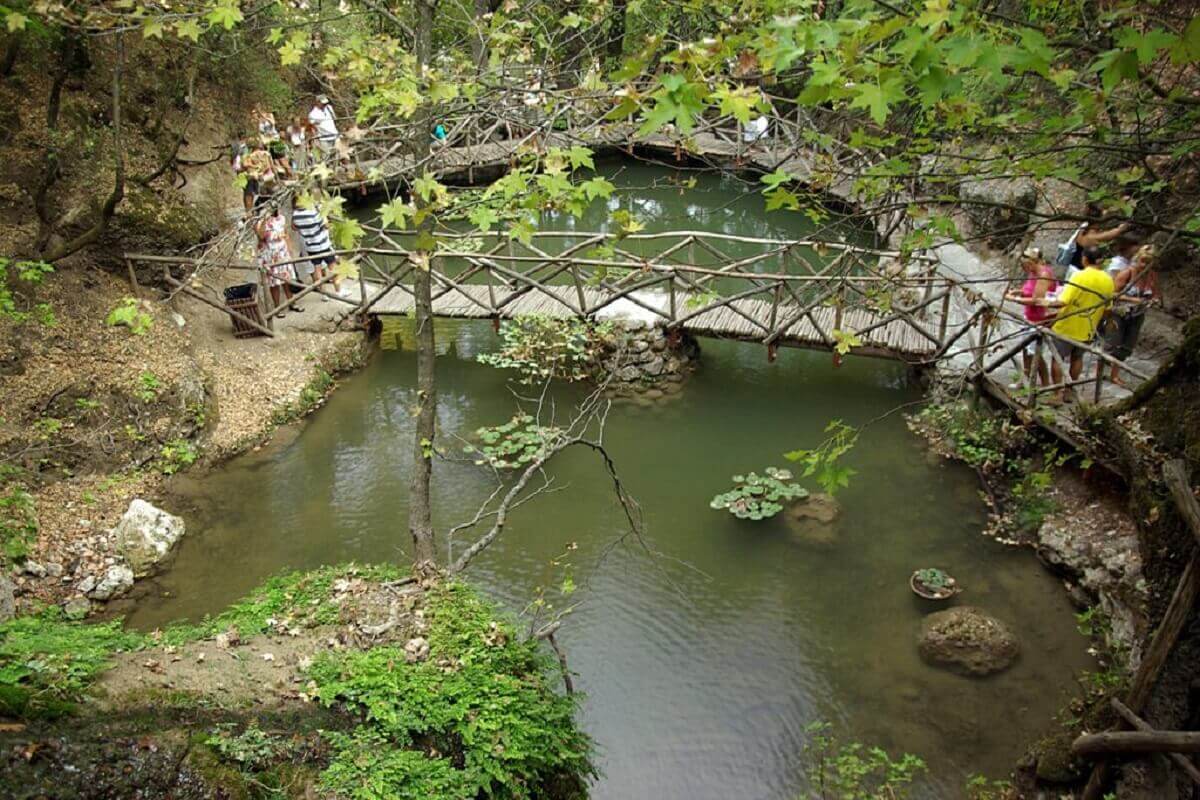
514, 444
755, 496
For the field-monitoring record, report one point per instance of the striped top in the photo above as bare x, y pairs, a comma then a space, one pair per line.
313, 231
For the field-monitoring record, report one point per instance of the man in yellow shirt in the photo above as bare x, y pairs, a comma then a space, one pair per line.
1081, 306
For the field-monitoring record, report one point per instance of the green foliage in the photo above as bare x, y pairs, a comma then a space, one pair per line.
513, 444
981, 788
934, 578
367, 765
823, 461
130, 314
18, 522
30, 273
46, 661
852, 771
981, 440
251, 749
148, 387
176, 455
478, 717
757, 496
541, 347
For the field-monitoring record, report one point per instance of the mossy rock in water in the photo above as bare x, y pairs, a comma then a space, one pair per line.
1054, 761
968, 641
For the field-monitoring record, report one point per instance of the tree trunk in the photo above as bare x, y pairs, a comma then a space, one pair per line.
50, 165
479, 51
118, 193
11, 51
420, 509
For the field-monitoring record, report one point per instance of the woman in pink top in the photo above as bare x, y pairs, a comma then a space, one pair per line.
1039, 282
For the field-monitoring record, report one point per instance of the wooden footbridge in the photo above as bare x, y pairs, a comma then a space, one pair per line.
773, 292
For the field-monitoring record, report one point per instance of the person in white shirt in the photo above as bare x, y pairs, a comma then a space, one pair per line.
323, 120
755, 129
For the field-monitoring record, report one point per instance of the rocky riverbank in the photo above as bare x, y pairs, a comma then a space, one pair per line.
98, 414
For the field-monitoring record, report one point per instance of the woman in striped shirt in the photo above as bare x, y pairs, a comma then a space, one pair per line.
314, 235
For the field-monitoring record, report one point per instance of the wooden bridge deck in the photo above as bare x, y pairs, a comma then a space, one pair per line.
746, 319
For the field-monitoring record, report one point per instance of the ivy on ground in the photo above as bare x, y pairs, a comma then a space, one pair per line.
47, 661
478, 717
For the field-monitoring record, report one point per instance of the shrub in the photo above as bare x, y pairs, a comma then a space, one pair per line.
176, 455
851, 771
129, 313
541, 347
18, 524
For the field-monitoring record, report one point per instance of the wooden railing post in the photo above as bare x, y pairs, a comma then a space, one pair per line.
985, 328
578, 288
945, 321
1099, 381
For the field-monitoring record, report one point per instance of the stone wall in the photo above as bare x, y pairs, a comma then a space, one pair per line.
650, 363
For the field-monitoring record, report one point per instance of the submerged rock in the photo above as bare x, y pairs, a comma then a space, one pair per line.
116, 580
820, 507
968, 641
145, 536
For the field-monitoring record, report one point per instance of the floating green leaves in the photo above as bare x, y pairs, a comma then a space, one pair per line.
514, 444
757, 496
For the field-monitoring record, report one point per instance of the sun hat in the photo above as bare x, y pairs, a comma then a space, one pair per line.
322, 98
1033, 253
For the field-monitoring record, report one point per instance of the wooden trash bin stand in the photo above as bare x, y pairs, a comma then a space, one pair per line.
242, 301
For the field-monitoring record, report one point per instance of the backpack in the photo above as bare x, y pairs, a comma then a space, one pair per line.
1066, 251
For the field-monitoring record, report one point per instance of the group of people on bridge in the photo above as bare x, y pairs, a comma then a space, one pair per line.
1096, 292
266, 163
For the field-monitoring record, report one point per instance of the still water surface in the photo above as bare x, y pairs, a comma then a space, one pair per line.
704, 660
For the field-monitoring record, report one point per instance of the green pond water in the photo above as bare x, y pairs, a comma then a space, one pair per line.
703, 657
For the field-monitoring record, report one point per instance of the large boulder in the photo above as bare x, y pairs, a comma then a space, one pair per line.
145, 536
999, 208
968, 641
116, 580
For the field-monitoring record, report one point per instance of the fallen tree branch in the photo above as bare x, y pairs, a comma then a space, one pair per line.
1109, 742
1140, 724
